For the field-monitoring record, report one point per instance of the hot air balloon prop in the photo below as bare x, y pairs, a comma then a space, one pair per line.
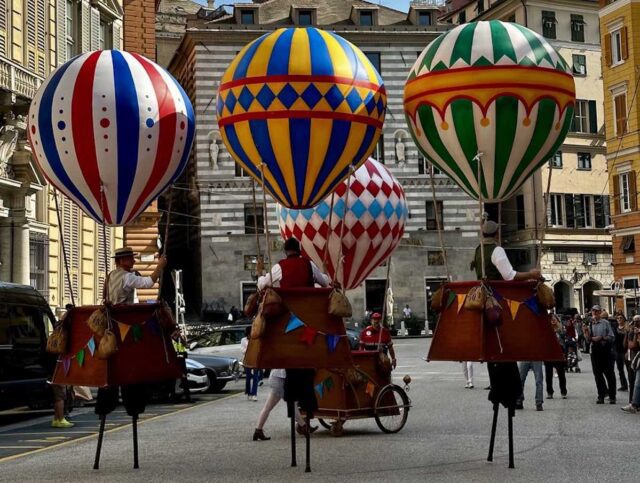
304, 106
111, 130
494, 88
372, 215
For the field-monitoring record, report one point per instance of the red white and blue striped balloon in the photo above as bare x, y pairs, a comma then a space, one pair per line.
111, 130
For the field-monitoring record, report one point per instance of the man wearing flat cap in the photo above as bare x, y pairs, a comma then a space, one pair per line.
601, 336
123, 281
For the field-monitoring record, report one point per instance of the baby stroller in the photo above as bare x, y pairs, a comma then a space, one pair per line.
573, 358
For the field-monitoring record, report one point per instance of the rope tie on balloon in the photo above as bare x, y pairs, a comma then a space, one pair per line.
255, 222
165, 241
266, 222
64, 246
384, 306
439, 224
545, 221
326, 251
105, 288
352, 171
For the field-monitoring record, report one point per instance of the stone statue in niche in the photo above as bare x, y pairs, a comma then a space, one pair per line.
214, 152
400, 149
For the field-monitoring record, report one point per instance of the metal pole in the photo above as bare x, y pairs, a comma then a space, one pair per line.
135, 442
96, 462
439, 223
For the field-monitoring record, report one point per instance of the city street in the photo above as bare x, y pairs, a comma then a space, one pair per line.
446, 439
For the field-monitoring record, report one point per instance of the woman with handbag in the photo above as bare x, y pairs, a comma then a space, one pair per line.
632, 348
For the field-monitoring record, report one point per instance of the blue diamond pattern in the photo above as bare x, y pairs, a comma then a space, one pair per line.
284, 213
265, 96
375, 209
338, 208
311, 95
370, 103
358, 209
246, 98
307, 213
380, 106
399, 210
230, 101
334, 97
220, 105
288, 96
354, 100
388, 210
323, 210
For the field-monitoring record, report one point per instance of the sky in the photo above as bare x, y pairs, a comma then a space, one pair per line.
402, 5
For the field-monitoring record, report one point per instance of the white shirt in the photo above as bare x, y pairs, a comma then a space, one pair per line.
276, 275
281, 373
407, 312
122, 285
244, 343
502, 263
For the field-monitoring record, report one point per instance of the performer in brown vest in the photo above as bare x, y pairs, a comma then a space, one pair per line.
123, 281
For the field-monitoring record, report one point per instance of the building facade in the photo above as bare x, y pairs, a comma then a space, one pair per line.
218, 247
620, 37
576, 246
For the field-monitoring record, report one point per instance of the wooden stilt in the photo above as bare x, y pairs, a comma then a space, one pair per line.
96, 462
496, 408
135, 442
293, 440
511, 412
307, 437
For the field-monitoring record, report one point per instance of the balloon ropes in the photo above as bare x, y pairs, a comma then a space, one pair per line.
111, 130
300, 109
355, 229
489, 103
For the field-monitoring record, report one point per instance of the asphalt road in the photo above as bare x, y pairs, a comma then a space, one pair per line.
445, 439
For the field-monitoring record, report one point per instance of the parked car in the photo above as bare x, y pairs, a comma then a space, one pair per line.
25, 365
220, 341
197, 378
219, 369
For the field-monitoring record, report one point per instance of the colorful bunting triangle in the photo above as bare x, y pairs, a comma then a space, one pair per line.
532, 303
461, 298
66, 364
450, 298
370, 389
137, 332
91, 345
328, 383
294, 323
309, 335
514, 306
124, 330
154, 326
497, 295
332, 342
320, 389
80, 357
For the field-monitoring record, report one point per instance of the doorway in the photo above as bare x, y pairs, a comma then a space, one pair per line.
562, 294
587, 290
374, 294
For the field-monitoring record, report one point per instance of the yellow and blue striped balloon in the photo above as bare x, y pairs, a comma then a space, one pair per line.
306, 105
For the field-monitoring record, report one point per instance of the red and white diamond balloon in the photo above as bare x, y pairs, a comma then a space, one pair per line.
373, 224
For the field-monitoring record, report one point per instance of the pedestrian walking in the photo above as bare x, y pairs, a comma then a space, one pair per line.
536, 367
467, 369
559, 366
601, 337
620, 333
632, 347
252, 376
60, 396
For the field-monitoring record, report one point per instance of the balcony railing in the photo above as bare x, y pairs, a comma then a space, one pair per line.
18, 80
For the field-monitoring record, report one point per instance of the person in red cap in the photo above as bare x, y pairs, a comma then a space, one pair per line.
375, 336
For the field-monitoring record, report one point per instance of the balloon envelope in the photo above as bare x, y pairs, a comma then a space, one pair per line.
305, 103
373, 225
494, 88
111, 130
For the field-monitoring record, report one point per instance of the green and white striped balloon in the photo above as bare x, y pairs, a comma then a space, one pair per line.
494, 88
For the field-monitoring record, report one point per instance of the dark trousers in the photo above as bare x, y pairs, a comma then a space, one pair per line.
562, 378
620, 366
632, 379
602, 363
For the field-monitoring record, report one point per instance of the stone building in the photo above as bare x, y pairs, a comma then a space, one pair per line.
576, 256
218, 248
620, 34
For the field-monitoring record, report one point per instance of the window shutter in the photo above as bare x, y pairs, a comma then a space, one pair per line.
606, 208
550, 202
633, 191
598, 205
593, 118
569, 211
117, 41
61, 32
95, 28
620, 105
86, 26
579, 211
617, 202
41, 39
624, 47
3, 27
607, 49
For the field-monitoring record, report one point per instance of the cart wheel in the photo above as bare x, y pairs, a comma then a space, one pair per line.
324, 424
391, 409
337, 427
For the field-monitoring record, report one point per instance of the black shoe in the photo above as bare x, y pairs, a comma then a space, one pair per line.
258, 434
519, 405
488, 388
538, 407
612, 401
549, 396
564, 396
599, 401
623, 389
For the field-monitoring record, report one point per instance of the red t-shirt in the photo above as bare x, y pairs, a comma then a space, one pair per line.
371, 335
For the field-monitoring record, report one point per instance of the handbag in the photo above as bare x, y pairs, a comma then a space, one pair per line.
58, 339
258, 326
339, 304
493, 312
436, 299
272, 305
635, 363
475, 299
97, 321
108, 345
251, 305
545, 296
